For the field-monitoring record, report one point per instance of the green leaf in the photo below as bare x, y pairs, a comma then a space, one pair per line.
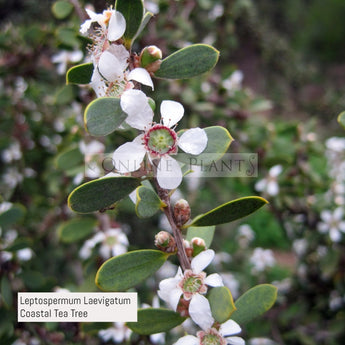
100, 194
76, 229
146, 19
62, 9
65, 95
103, 115
229, 211
155, 320
6, 292
127, 270
80, 74
148, 202
32, 279
20, 243
219, 140
67, 36
188, 62
69, 159
204, 232
254, 302
133, 11
341, 119
222, 303
12, 215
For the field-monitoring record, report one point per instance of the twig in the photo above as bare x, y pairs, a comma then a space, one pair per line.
181, 253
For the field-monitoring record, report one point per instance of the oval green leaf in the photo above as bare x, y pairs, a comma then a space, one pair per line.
155, 320
80, 74
103, 115
254, 302
148, 202
341, 119
229, 211
219, 140
133, 11
146, 19
188, 62
12, 215
76, 229
69, 159
6, 292
204, 232
127, 270
100, 194
62, 9
222, 303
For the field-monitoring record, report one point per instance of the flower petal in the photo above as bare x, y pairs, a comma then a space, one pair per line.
275, 170
169, 173
171, 112
142, 76
117, 26
229, 327
109, 66
128, 157
193, 141
136, 105
200, 311
187, 340
235, 341
272, 188
97, 83
214, 280
202, 260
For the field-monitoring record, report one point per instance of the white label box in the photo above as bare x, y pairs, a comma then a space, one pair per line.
77, 306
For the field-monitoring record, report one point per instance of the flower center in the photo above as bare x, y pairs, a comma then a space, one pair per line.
192, 284
211, 337
110, 241
160, 140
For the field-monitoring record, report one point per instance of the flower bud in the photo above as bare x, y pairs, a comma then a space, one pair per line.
149, 55
165, 242
181, 212
188, 249
198, 245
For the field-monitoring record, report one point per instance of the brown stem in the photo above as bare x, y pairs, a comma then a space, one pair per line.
181, 253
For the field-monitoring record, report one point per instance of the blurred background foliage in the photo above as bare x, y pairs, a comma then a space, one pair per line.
277, 88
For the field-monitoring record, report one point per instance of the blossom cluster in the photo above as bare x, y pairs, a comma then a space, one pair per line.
118, 72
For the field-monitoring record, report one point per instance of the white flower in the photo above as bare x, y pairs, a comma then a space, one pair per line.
110, 76
159, 141
111, 60
335, 144
64, 57
112, 23
113, 242
261, 341
24, 254
222, 336
262, 258
270, 184
118, 333
12, 153
333, 223
192, 285
233, 82
245, 235
5, 206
